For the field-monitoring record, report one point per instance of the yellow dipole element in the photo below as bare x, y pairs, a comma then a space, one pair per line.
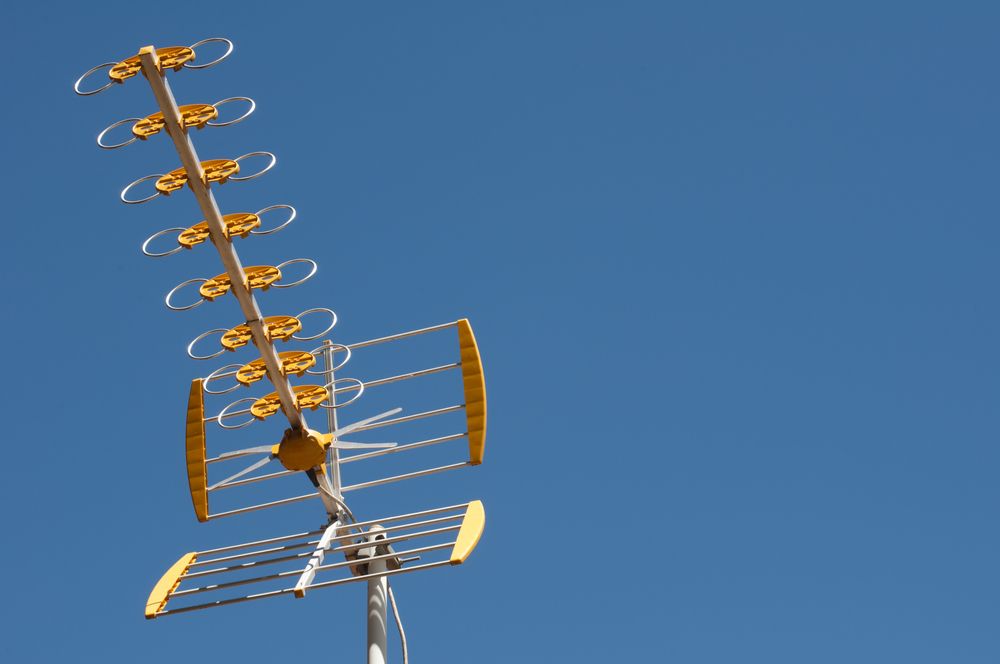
216, 170
275, 327
192, 115
236, 223
258, 276
169, 57
292, 362
306, 396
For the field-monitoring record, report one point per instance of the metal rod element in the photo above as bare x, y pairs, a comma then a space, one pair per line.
251, 480
296, 499
406, 526
309, 573
232, 413
396, 379
387, 556
271, 561
405, 476
210, 209
333, 453
232, 584
401, 335
409, 418
273, 503
401, 448
365, 577
285, 591
272, 540
399, 538
251, 554
403, 517
224, 602
245, 566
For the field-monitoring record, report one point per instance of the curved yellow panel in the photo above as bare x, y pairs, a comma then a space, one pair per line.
474, 384
194, 450
160, 594
468, 535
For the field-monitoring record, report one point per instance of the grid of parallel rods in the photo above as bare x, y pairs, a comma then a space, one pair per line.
438, 523
352, 458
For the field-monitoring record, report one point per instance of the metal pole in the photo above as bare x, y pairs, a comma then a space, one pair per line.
377, 589
331, 419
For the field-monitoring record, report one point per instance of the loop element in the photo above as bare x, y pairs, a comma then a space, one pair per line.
333, 323
82, 93
219, 374
223, 102
100, 137
224, 413
272, 161
203, 335
194, 46
336, 349
309, 275
260, 213
135, 201
145, 245
176, 288
358, 385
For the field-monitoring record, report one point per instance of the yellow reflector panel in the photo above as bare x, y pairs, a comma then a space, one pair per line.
469, 533
194, 450
160, 595
474, 385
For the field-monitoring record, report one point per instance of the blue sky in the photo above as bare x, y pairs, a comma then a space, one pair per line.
731, 268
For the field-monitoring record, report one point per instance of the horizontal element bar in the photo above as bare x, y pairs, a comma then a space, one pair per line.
235, 600
278, 575
401, 335
396, 538
385, 556
409, 418
273, 503
365, 577
251, 480
272, 540
254, 563
405, 476
396, 379
405, 526
401, 448
250, 554
403, 517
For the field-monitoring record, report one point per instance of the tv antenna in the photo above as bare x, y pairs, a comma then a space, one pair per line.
291, 564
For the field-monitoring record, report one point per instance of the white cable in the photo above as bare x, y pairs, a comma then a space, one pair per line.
399, 623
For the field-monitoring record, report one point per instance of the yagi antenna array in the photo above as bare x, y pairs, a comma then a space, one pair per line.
372, 550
